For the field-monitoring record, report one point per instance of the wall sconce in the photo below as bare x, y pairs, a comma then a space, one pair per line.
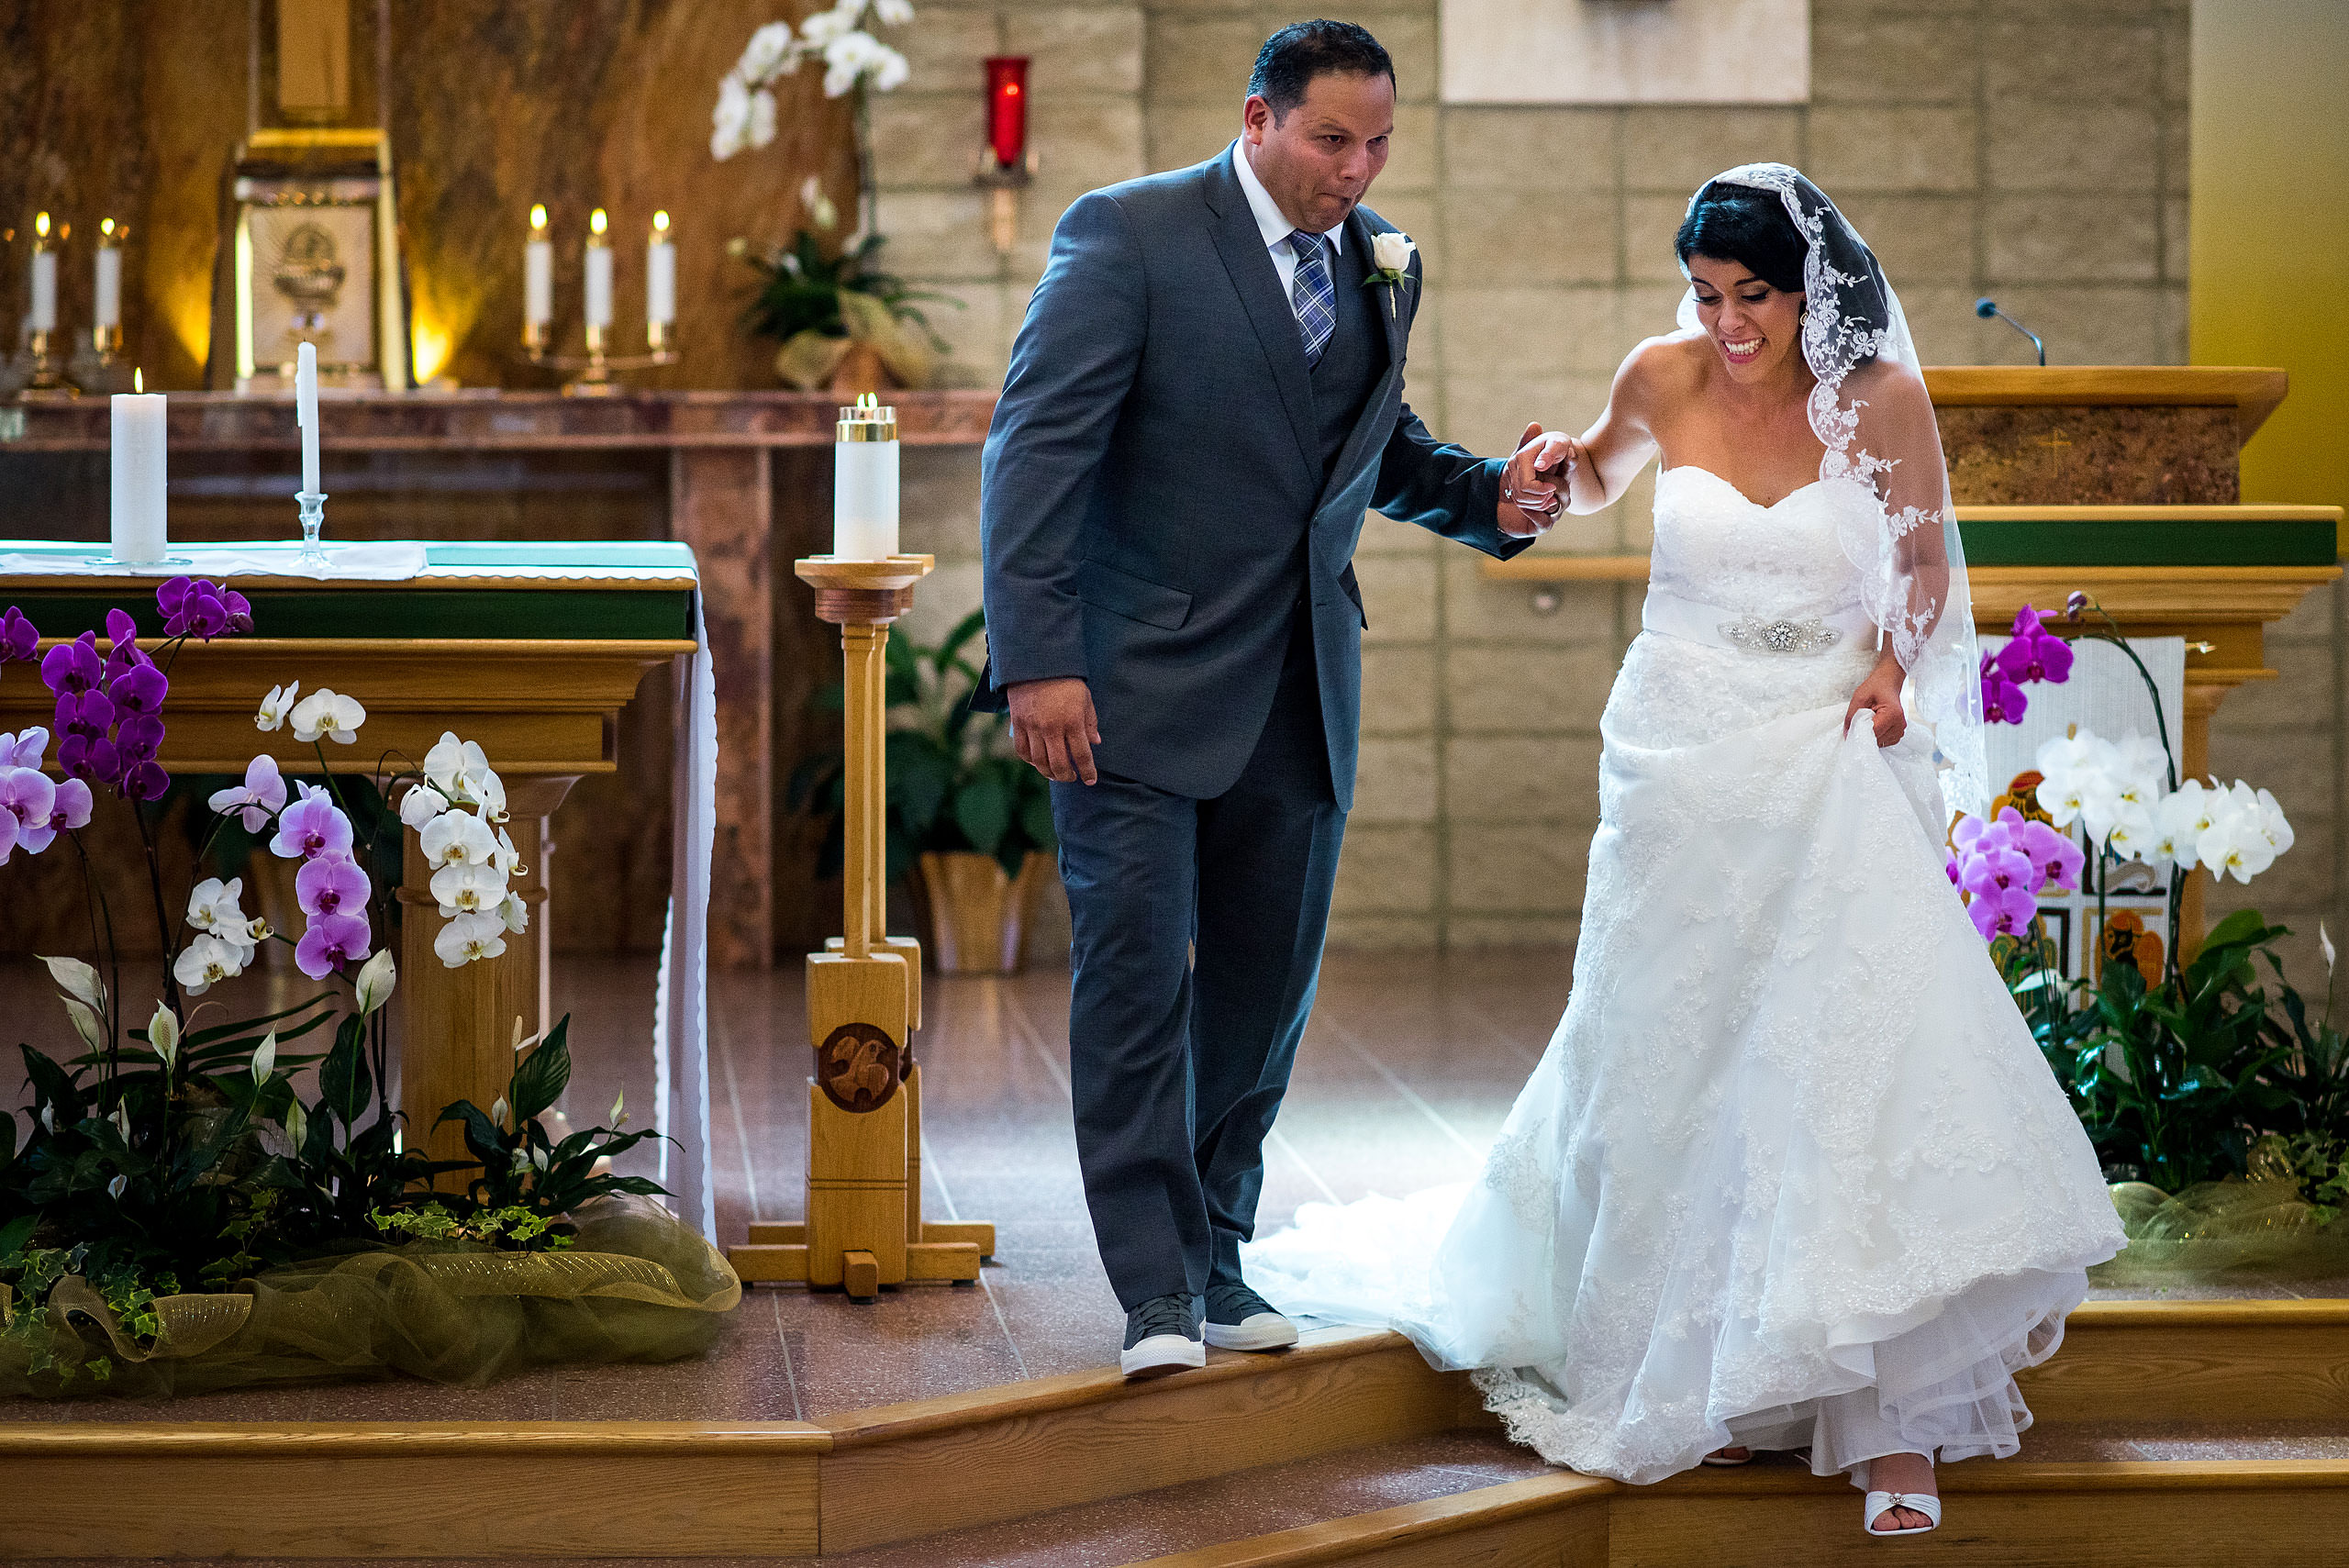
1006, 163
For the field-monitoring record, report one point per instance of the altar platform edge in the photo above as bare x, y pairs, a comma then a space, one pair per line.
867, 1479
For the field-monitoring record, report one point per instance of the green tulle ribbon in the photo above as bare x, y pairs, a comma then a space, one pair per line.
636, 1286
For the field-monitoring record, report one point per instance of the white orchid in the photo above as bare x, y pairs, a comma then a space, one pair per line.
448, 759
821, 210
464, 889
765, 54
212, 907
894, 13
826, 27
729, 123
273, 707
328, 715
508, 859
421, 805
514, 914
457, 837
469, 938
207, 962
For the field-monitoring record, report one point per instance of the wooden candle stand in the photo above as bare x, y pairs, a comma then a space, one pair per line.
864, 1228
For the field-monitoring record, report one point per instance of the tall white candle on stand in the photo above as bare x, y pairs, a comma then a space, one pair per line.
306, 413
137, 506
44, 312
107, 301
538, 272
865, 481
660, 281
600, 274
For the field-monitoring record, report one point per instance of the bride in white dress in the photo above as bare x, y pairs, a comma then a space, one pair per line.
1792, 1173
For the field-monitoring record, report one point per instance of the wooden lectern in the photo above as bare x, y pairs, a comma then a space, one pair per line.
864, 1228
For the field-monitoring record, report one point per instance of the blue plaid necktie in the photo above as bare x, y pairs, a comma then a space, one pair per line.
1312, 296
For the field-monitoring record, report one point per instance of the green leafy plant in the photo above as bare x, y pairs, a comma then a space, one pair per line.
524, 1171
954, 783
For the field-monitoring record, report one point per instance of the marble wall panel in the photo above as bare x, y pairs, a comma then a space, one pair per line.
2090, 455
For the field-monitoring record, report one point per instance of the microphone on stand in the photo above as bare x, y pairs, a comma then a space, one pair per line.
1986, 307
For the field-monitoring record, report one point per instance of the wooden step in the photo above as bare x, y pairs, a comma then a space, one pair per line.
2114, 1514
150, 1485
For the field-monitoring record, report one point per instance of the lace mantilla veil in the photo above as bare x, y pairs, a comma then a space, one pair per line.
1881, 435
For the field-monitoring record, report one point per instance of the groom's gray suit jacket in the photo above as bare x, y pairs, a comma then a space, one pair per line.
1155, 499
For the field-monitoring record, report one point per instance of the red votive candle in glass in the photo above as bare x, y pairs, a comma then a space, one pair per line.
1008, 109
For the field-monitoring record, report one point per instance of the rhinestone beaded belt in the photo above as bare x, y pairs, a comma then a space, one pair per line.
1693, 620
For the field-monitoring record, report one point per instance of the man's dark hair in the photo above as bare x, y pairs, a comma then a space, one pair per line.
1292, 57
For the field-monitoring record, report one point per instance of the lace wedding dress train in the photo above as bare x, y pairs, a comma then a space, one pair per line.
1792, 1173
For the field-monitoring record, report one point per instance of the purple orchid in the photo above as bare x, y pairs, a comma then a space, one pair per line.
73, 667
138, 738
73, 803
331, 941
261, 796
144, 780
88, 714
80, 757
2003, 912
2002, 700
311, 827
18, 638
193, 606
323, 885
2035, 653
23, 750
28, 802
139, 688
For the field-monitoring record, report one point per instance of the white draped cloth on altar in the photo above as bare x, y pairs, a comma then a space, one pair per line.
1792, 1171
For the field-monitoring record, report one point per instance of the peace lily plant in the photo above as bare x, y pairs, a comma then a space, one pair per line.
172, 1156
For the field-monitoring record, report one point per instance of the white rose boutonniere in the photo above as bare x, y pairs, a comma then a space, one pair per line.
1390, 262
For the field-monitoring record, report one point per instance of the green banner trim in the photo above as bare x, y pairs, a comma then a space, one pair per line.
2148, 542
570, 613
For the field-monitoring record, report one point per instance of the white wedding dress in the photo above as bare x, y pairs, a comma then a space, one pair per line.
1792, 1173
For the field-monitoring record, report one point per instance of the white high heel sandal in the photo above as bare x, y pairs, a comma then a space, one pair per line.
1882, 1503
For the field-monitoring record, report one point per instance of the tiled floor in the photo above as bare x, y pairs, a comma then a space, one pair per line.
1405, 1075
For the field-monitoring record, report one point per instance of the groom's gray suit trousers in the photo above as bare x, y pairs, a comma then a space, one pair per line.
1198, 928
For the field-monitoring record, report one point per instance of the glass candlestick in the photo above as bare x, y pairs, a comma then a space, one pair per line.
313, 558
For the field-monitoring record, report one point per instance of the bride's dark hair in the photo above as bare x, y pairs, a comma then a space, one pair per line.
1751, 228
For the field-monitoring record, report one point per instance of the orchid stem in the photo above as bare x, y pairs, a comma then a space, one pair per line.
163, 913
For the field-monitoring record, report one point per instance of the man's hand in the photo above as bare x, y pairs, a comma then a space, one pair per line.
1054, 727
1534, 484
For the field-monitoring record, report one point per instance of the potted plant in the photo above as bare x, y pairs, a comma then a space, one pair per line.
964, 810
840, 320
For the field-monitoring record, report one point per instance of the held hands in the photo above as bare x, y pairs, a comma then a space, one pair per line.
1879, 696
1538, 482
1054, 727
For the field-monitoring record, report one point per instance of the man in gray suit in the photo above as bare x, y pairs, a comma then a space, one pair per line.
1205, 397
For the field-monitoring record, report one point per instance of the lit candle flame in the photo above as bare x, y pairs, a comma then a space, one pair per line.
138, 380
105, 226
538, 215
597, 222
661, 222
40, 225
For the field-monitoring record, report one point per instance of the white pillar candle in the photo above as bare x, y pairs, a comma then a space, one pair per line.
306, 413
660, 274
864, 482
44, 316
136, 505
599, 286
538, 282
106, 308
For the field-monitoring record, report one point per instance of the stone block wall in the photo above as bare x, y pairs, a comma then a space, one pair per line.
2034, 149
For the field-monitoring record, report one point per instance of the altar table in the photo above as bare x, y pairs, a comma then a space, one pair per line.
531, 649
723, 450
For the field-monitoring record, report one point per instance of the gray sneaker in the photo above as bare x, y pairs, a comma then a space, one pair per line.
1161, 1336
1240, 1319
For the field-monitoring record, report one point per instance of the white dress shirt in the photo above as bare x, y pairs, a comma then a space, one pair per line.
1275, 227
